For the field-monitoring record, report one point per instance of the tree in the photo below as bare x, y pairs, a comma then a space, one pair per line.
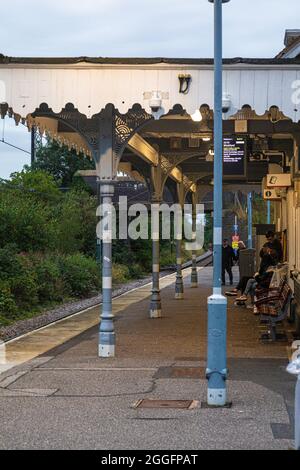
76, 217
34, 181
61, 163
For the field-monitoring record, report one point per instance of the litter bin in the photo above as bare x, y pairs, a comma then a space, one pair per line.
247, 262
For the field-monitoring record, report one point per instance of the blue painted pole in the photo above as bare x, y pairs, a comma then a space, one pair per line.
249, 205
269, 212
216, 371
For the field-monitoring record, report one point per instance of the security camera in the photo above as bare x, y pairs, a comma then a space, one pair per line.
226, 103
155, 102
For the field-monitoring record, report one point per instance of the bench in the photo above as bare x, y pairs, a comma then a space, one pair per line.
271, 293
273, 307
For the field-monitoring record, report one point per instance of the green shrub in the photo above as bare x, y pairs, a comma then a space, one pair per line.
26, 222
8, 307
76, 217
166, 257
25, 290
120, 273
10, 265
80, 274
51, 286
135, 270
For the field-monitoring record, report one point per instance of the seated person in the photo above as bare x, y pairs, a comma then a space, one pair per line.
240, 287
263, 278
276, 245
265, 263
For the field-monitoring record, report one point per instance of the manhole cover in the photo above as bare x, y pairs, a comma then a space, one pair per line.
166, 404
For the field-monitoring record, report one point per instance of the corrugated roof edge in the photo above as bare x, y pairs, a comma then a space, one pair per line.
142, 61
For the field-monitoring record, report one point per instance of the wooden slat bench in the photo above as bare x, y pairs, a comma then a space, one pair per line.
273, 307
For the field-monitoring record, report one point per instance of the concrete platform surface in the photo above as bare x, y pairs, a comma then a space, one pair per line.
56, 394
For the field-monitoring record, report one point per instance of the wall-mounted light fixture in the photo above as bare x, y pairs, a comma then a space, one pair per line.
184, 83
197, 116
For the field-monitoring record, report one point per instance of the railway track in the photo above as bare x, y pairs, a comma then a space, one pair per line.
206, 262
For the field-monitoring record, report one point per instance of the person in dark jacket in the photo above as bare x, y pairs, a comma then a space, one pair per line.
228, 257
276, 245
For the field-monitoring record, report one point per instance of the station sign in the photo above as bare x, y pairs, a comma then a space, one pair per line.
272, 195
235, 242
234, 157
281, 180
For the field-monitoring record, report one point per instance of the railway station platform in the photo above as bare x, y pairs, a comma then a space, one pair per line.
55, 392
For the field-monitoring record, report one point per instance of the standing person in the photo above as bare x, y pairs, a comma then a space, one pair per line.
242, 281
228, 258
276, 245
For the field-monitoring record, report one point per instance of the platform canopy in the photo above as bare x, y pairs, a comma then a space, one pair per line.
91, 83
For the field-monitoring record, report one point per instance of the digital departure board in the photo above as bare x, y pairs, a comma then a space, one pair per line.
234, 157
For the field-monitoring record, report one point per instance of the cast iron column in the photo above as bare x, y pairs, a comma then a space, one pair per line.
217, 304
194, 274
155, 304
107, 334
179, 291
33, 144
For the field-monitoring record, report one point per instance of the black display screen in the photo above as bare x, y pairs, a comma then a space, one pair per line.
234, 157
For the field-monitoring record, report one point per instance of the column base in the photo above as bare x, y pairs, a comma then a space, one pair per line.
155, 313
217, 397
194, 278
107, 345
216, 371
179, 295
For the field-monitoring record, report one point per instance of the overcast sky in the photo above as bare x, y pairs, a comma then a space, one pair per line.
168, 28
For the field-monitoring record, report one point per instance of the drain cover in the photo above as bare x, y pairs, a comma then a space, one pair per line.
166, 404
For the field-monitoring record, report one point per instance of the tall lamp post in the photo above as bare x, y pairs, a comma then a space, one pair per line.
250, 211
216, 371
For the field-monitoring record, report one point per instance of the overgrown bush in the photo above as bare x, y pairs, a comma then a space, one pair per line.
136, 270
120, 273
8, 307
76, 220
80, 274
26, 222
10, 264
51, 286
25, 290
